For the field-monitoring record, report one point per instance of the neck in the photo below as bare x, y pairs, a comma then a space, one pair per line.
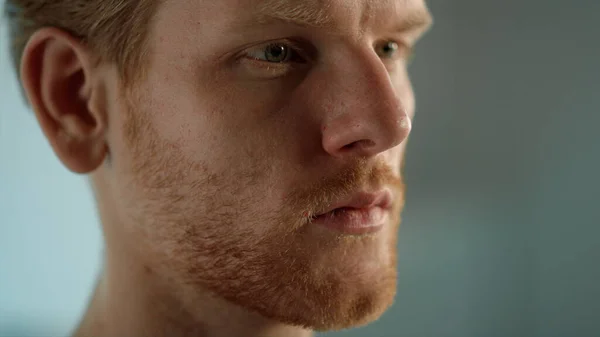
132, 299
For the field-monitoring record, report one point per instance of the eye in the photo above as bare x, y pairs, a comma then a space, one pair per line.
277, 52
388, 49
393, 50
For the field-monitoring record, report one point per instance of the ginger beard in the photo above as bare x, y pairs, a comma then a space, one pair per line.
238, 235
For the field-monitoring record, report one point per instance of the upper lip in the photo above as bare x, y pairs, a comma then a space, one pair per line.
363, 200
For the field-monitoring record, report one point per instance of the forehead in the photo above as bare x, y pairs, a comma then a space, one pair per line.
326, 13
331, 14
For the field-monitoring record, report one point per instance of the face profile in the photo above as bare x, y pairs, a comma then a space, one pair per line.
245, 156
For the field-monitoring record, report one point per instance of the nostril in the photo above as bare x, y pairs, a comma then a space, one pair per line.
364, 143
349, 147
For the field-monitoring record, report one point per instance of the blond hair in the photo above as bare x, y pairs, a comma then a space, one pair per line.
114, 30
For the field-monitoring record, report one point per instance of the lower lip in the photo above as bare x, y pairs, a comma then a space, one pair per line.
353, 221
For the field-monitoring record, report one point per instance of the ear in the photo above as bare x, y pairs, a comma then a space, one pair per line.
58, 75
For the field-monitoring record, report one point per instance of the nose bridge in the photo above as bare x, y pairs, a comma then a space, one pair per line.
365, 86
364, 114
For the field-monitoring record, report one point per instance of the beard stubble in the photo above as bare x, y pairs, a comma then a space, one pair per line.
205, 234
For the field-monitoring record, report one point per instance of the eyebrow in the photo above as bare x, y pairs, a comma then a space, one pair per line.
315, 13
310, 13
415, 20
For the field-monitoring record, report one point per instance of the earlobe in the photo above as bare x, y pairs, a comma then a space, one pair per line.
57, 72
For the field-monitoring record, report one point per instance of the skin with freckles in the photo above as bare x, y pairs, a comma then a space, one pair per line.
251, 118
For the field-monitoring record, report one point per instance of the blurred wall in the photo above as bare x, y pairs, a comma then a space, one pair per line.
501, 233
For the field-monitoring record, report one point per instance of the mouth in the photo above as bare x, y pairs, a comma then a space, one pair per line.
359, 214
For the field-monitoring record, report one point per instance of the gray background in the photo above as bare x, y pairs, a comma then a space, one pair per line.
501, 234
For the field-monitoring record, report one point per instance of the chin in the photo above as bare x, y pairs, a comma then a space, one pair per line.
309, 278
355, 312
315, 291
340, 306
335, 289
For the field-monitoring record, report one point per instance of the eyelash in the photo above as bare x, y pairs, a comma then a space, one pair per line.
403, 51
300, 55
292, 46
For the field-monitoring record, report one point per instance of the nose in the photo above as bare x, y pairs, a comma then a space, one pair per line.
364, 115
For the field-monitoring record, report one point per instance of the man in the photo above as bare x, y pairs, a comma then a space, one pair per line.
245, 155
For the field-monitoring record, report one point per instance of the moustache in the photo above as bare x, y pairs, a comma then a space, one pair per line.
360, 175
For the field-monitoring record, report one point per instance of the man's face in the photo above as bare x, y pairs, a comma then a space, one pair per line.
247, 127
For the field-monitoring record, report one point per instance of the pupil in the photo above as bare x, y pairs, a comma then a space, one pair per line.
389, 47
276, 53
